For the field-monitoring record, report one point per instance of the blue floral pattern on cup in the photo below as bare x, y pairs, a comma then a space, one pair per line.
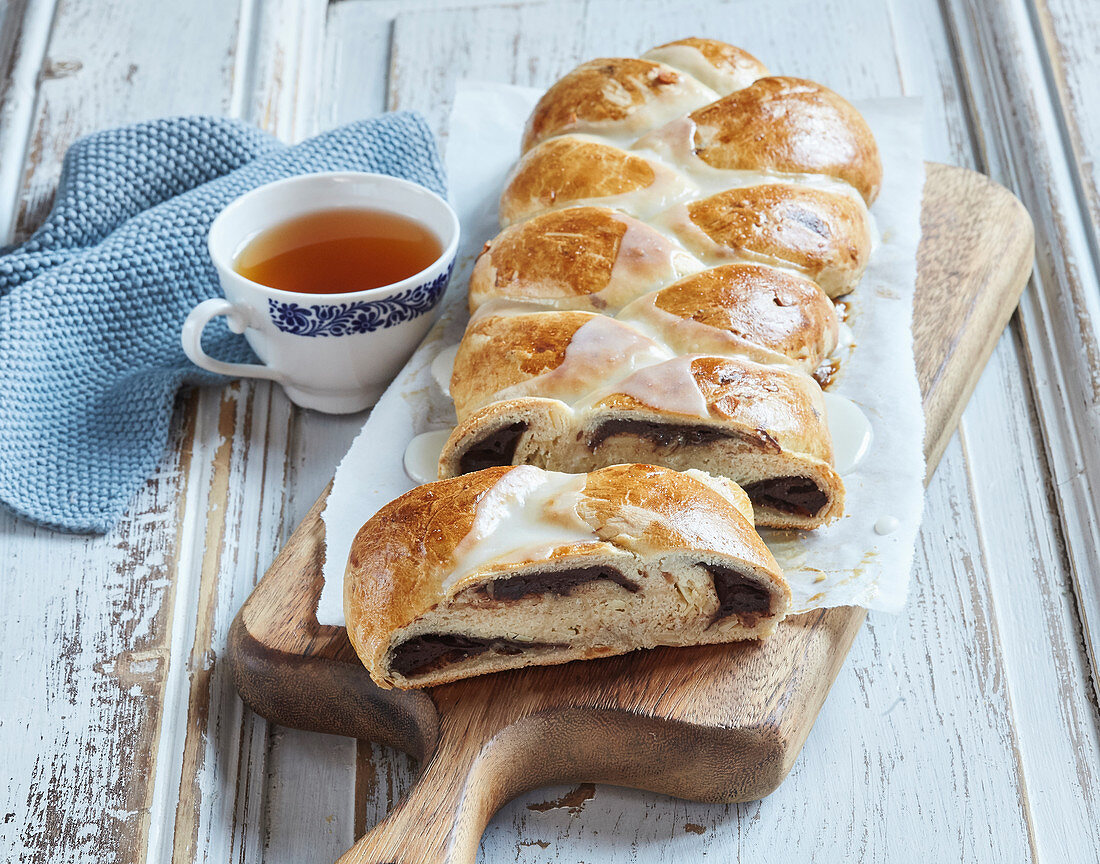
362, 316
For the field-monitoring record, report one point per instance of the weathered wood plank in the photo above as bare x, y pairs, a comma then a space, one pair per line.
1048, 678
24, 33
83, 87
1070, 33
1048, 671
241, 783
207, 732
1023, 145
357, 53
94, 678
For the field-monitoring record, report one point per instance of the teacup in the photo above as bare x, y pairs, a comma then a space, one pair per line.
331, 352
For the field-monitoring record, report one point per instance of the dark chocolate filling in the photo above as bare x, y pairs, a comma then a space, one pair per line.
738, 595
797, 495
496, 448
423, 654
559, 582
677, 434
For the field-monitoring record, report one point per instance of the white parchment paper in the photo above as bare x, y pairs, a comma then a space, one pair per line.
847, 563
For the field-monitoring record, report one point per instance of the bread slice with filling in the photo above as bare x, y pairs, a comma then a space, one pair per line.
575, 391
513, 567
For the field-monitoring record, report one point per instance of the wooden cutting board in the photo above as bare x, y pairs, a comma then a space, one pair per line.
715, 723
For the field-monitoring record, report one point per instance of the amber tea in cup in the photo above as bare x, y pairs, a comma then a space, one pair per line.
338, 251
334, 278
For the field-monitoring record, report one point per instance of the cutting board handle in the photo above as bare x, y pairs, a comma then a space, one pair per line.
471, 773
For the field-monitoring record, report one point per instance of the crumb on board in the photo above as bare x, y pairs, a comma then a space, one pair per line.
573, 800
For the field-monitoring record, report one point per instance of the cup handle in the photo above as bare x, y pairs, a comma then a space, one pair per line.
191, 337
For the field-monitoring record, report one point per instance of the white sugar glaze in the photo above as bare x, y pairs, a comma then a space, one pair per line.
443, 367
886, 525
669, 386
647, 261
692, 61
503, 306
850, 430
422, 455
601, 349
524, 517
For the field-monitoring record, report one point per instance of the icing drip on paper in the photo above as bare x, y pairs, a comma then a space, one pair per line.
845, 339
850, 430
422, 455
886, 525
443, 367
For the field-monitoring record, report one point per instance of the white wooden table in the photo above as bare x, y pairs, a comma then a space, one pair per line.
964, 729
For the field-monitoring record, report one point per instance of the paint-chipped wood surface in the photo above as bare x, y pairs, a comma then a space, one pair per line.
965, 729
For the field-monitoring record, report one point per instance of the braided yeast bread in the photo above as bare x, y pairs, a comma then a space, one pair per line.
515, 566
661, 291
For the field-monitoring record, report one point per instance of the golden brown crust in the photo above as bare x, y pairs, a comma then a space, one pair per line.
689, 514
737, 309
603, 94
707, 368
593, 362
761, 305
503, 350
824, 234
793, 126
591, 258
563, 253
569, 169
562, 257
527, 358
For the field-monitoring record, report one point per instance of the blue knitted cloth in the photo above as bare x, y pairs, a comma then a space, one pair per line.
91, 306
